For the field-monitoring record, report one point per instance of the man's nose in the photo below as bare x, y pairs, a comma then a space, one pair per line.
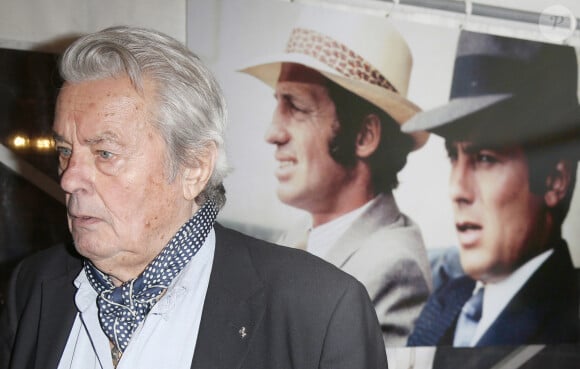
277, 134
77, 174
461, 182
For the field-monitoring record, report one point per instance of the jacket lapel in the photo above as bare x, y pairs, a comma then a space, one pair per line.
57, 316
544, 310
382, 212
233, 307
436, 323
513, 327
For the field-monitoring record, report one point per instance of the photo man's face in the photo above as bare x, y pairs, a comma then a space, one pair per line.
303, 124
496, 214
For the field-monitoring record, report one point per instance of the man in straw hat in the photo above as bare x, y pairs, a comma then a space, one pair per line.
511, 130
340, 88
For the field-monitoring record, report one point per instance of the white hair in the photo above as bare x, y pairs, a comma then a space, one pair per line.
191, 111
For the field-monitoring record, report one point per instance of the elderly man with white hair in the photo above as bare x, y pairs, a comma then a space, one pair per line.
152, 281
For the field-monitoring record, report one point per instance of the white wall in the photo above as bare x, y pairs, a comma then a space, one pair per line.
30, 23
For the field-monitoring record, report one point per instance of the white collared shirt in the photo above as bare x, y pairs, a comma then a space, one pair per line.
498, 295
323, 237
167, 336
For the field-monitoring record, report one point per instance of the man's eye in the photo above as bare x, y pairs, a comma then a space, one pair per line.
486, 158
63, 151
296, 108
103, 154
293, 106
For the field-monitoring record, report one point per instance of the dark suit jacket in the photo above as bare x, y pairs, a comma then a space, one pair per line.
296, 311
544, 311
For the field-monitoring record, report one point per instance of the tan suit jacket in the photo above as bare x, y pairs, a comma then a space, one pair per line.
384, 250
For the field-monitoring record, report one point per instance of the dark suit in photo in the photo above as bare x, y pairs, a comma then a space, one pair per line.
543, 311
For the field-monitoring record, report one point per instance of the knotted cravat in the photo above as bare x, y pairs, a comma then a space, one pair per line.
468, 320
123, 308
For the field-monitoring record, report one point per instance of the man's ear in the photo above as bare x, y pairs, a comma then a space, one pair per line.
194, 179
368, 137
558, 183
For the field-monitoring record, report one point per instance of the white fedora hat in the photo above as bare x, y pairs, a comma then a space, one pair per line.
362, 53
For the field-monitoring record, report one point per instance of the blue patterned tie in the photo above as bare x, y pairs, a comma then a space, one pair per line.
123, 308
440, 313
468, 320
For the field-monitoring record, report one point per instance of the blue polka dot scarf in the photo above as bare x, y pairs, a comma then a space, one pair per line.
123, 308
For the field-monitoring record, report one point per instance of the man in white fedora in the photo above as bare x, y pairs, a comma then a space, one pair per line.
340, 87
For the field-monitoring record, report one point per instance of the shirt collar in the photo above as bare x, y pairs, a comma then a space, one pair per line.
323, 237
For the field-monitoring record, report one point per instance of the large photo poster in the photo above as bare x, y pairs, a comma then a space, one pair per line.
432, 161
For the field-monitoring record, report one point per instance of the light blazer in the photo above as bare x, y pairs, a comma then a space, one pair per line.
297, 311
543, 311
384, 250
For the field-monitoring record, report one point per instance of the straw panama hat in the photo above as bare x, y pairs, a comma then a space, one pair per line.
362, 53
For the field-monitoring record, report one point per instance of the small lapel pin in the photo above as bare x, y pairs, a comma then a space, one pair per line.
243, 332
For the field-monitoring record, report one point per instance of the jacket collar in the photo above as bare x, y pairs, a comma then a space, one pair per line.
233, 308
57, 314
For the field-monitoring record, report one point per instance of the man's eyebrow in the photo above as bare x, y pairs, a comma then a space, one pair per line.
468, 147
283, 94
471, 148
105, 136
479, 146
58, 137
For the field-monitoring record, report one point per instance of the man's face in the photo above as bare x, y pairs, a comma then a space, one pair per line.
121, 208
302, 126
498, 219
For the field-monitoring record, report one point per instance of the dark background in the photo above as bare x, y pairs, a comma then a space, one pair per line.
30, 219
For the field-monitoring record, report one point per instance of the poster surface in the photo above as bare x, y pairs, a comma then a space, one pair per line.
242, 47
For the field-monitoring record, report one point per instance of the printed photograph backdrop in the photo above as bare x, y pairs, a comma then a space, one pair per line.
231, 35
235, 33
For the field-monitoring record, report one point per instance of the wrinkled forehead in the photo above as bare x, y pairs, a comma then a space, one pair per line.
107, 92
86, 107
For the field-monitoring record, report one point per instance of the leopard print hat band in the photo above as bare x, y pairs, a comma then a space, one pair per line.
336, 56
